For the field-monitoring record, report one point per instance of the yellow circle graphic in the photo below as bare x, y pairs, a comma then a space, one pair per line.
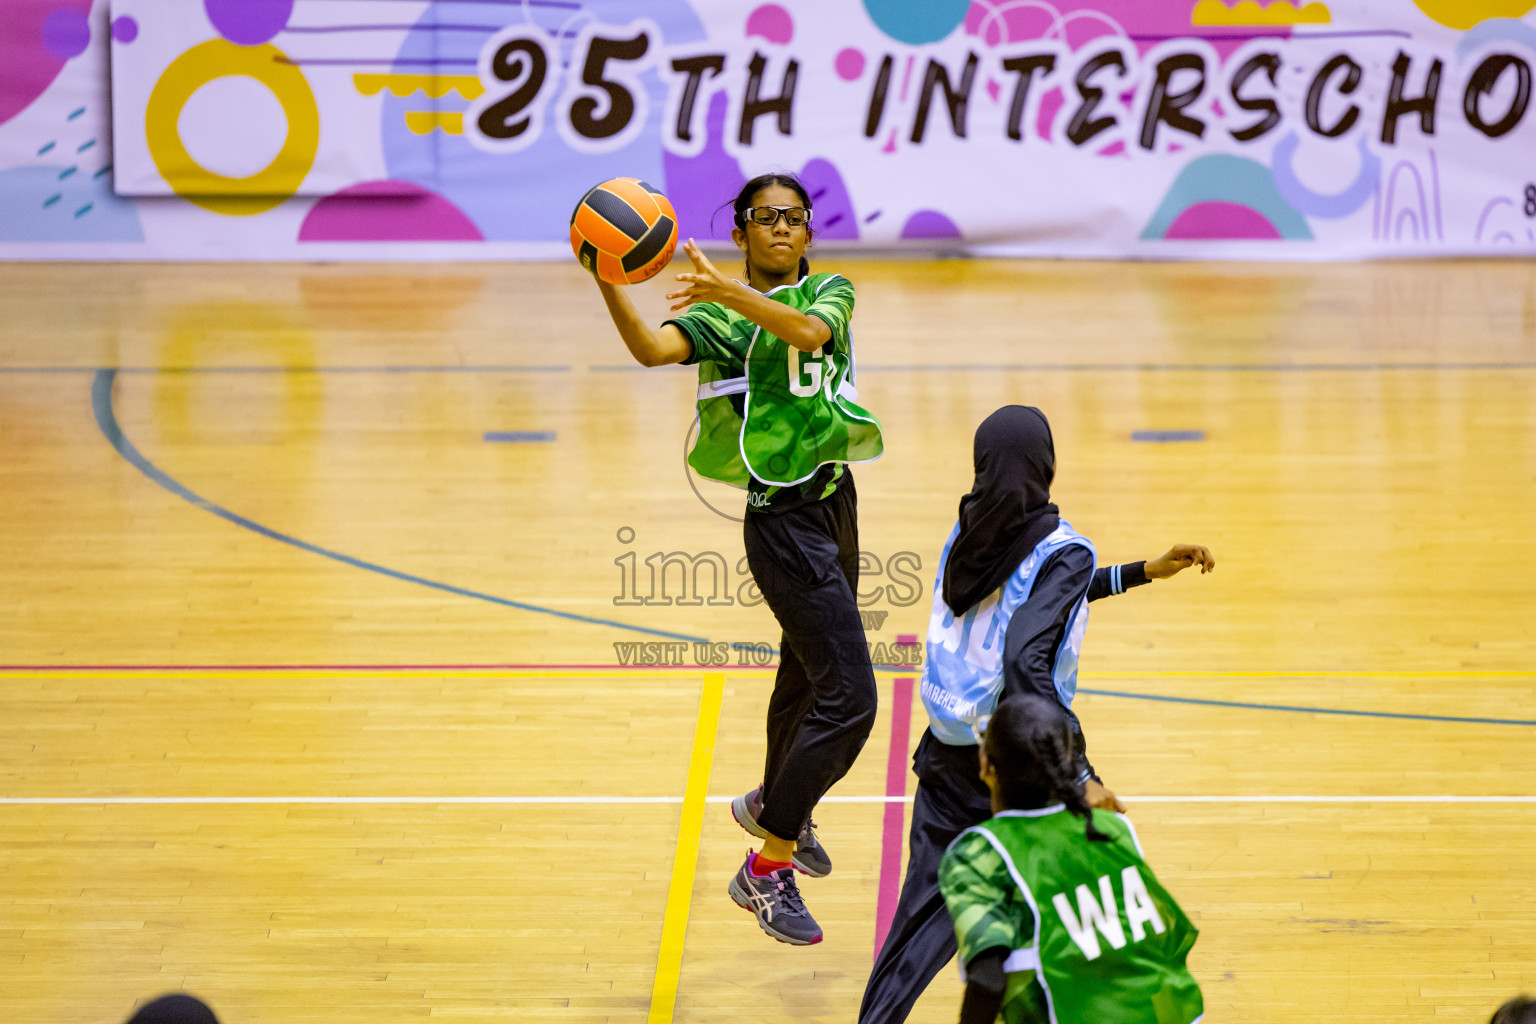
265, 189
1463, 14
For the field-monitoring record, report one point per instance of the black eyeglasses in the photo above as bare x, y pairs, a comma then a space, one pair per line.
768, 216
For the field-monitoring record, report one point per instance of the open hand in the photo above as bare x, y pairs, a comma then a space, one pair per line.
1181, 557
705, 284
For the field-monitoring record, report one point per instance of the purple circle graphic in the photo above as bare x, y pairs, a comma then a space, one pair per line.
929, 224
387, 211
125, 29
772, 22
66, 33
249, 22
849, 64
1218, 219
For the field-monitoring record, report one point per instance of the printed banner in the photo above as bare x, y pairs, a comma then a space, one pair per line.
389, 129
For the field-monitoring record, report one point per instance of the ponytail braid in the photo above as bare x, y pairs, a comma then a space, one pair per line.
1058, 764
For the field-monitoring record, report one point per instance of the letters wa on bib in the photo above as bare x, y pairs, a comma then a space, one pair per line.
1092, 936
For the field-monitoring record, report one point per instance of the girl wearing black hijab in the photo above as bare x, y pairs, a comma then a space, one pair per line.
1010, 608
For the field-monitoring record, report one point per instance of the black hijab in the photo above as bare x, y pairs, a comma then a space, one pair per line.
1008, 510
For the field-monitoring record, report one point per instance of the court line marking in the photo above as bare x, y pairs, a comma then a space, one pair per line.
669, 672
674, 926
1150, 367
106, 419
252, 369
102, 388
1298, 709
517, 669
893, 822
1192, 367
574, 801
890, 367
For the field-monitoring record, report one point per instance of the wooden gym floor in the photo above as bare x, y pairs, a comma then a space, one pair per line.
288, 552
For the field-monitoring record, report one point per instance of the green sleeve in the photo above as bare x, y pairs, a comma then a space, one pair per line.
833, 305
982, 899
707, 327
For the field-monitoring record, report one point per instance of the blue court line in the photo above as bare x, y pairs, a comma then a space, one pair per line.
893, 368
106, 419
1190, 367
1167, 436
518, 436
635, 367
1308, 711
287, 369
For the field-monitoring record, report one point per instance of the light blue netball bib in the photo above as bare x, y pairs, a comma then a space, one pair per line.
963, 669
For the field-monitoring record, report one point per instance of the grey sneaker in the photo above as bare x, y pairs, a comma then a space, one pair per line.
775, 899
810, 856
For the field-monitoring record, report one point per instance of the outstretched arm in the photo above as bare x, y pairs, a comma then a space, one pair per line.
1032, 638
650, 346
706, 284
1117, 579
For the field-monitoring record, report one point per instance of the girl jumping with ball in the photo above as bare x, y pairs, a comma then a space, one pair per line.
778, 417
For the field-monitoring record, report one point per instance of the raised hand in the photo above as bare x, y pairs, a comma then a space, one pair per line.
705, 284
1181, 557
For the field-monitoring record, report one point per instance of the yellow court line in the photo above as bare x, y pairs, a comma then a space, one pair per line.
674, 927
1318, 674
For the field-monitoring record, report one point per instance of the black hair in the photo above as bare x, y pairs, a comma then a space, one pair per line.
1519, 1010
178, 1008
1029, 744
743, 201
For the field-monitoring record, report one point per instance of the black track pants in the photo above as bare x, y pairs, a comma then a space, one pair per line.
950, 799
806, 563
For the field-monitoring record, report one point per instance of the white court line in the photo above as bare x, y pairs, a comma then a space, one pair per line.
578, 800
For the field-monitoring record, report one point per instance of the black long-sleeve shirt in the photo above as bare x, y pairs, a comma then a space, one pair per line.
1038, 625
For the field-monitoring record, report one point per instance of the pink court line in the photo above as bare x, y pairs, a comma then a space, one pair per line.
893, 828
729, 669
508, 667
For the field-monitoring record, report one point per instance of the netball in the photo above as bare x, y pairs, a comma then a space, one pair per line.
624, 231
